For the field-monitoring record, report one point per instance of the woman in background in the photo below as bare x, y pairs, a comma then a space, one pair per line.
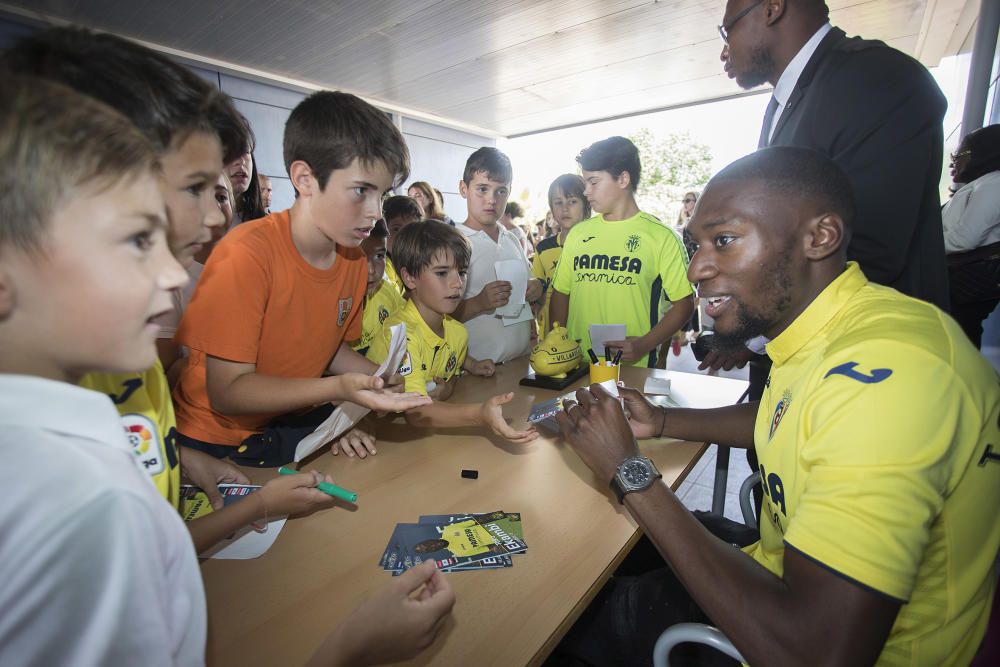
971, 223
429, 200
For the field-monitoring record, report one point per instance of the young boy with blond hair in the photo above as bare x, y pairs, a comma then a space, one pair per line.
97, 569
269, 323
433, 260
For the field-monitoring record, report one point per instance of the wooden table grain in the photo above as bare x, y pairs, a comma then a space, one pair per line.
276, 609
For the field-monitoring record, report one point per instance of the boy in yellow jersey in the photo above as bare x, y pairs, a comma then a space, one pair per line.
381, 296
877, 437
433, 259
568, 206
398, 211
617, 266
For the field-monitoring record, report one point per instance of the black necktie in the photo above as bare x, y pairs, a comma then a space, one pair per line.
765, 130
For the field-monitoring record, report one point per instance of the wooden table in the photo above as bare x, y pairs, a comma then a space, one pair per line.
276, 609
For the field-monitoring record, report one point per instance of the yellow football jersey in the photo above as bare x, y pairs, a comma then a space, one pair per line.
877, 438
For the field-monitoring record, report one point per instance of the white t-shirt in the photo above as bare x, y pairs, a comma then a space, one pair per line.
95, 567
971, 218
488, 337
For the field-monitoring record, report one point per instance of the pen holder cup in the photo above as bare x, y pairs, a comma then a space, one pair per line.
600, 372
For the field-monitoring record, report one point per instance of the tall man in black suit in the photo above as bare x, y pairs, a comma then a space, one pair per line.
872, 109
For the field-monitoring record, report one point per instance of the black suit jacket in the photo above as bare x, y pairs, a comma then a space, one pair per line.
877, 112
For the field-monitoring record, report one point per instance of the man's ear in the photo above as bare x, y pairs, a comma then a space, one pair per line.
774, 10
407, 279
825, 235
303, 179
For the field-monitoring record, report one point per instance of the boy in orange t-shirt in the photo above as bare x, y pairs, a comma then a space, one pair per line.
279, 297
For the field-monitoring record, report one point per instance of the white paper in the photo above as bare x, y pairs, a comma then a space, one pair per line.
348, 414
657, 386
516, 273
600, 333
248, 543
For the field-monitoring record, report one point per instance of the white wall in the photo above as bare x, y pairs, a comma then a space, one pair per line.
437, 153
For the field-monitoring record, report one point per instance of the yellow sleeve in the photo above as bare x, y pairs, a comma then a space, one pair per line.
563, 279
878, 451
673, 269
537, 271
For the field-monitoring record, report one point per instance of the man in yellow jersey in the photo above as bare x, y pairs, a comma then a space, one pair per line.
878, 441
616, 266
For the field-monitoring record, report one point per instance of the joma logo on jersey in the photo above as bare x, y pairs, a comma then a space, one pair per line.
632, 244
847, 370
622, 263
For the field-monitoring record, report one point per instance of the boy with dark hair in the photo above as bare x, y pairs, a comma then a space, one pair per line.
280, 297
381, 297
616, 266
433, 259
398, 211
485, 186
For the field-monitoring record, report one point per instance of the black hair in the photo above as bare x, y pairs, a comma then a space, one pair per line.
250, 202
613, 155
164, 99
984, 152
802, 174
380, 230
490, 160
399, 206
328, 130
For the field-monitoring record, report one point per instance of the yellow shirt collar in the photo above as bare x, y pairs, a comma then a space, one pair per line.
817, 314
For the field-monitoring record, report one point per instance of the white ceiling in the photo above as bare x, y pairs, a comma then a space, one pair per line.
508, 67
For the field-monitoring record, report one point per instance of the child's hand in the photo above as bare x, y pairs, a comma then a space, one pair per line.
295, 494
359, 441
394, 624
534, 291
443, 389
207, 472
484, 368
492, 416
631, 347
368, 391
495, 294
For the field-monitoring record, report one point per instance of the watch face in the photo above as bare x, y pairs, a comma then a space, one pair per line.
635, 474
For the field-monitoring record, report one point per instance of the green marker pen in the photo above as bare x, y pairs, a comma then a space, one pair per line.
326, 487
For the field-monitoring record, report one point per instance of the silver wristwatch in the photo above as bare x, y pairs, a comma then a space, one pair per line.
635, 473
